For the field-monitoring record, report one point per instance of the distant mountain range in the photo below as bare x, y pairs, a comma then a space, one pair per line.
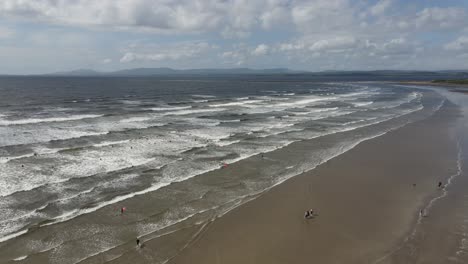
148, 72
140, 72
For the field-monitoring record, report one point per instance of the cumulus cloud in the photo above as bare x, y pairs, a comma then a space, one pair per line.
443, 18
323, 15
160, 14
336, 44
310, 33
261, 50
380, 7
232, 18
348, 48
106, 61
460, 44
158, 53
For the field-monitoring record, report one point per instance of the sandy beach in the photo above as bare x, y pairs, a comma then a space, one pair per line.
365, 200
459, 88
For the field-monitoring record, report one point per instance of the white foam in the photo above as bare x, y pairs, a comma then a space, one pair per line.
203, 96
7, 159
174, 108
359, 104
136, 119
110, 143
318, 110
195, 111
20, 258
226, 143
237, 103
12, 235
306, 101
45, 120
45, 151
131, 102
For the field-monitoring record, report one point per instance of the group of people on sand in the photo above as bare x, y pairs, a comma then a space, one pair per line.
309, 214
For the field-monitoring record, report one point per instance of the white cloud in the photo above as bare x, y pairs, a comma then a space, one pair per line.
238, 56
162, 15
106, 61
323, 15
233, 18
460, 44
277, 13
380, 8
441, 18
231, 33
163, 53
334, 44
342, 50
261, 50
309, 33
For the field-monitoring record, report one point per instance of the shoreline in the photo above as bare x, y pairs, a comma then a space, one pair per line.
441, 85
252, 233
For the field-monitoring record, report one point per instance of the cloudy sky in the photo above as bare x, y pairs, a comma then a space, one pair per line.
38, 36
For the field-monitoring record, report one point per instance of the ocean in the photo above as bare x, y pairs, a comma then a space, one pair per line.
73, 146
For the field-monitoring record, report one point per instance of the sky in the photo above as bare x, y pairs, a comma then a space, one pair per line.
42, 36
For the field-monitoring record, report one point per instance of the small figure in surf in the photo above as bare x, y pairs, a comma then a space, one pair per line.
138, 242
440, 184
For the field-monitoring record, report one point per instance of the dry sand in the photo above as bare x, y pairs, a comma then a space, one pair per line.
365, 198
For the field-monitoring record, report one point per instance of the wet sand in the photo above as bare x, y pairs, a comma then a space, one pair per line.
365, 199
454, 87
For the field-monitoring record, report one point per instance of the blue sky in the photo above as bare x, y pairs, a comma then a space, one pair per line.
39, 36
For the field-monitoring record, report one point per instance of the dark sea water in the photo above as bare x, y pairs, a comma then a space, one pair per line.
70, 146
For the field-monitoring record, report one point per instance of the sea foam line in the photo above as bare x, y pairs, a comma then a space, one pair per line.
46, 120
